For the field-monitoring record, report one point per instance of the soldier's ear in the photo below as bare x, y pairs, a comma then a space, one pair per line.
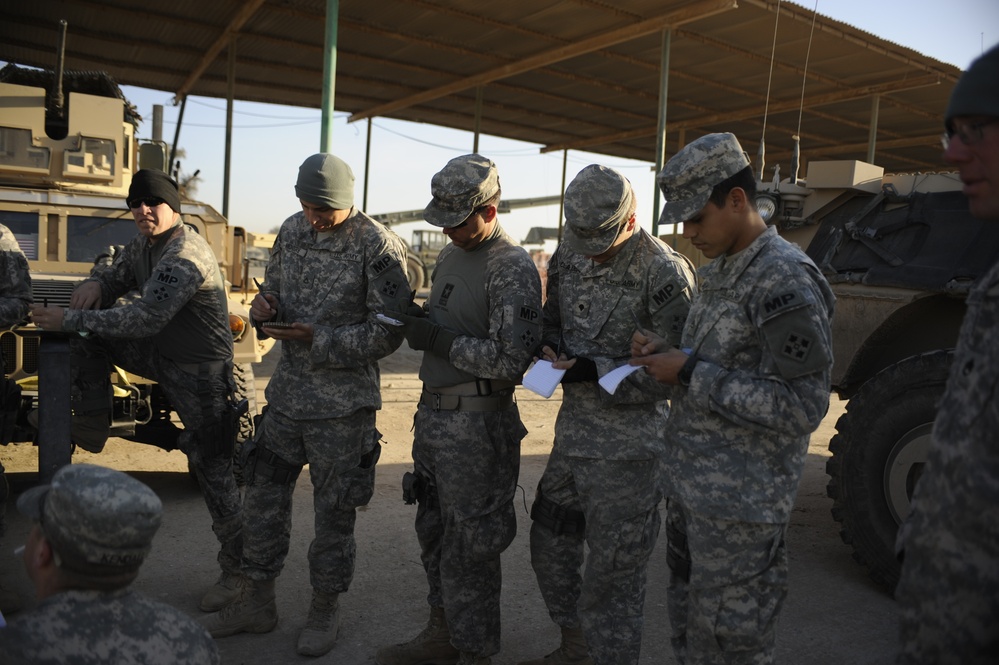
737, 199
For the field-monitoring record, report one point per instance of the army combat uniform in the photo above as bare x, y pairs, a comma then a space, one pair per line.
736, 443
602, 483
322, 398
466, 448
176, 332
99, 627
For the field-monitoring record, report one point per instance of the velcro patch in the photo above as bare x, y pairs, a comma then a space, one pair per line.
384, 262
796, 347
166, 277
161, 293
390, 288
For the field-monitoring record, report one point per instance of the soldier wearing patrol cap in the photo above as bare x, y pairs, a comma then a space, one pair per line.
948, 592
332, 270
92, 528
602, 484
478, 332
751, 381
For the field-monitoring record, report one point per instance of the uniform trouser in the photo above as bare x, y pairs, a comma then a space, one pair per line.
333, 448
214, 472
726, 613
472, 458
618, 499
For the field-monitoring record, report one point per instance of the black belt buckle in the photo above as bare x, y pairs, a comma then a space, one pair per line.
483, 387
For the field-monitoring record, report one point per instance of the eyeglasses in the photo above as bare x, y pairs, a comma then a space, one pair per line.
149, 202
970, 133
470, 215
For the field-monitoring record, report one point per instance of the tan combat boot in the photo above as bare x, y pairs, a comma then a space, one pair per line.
432, 646
572, 651
224, 591
319, 634
253, 611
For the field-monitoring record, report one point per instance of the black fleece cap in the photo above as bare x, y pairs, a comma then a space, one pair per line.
154, 183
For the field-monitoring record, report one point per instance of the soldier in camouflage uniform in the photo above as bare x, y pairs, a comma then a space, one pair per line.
479, 330
752, 383
92, 528
948, 593
332, 268
15, 295
176, 332
602, 484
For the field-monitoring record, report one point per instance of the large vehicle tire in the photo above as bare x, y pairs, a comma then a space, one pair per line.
878, 455
415, 273
246, 386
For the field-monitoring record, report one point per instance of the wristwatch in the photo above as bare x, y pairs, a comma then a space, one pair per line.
687, 371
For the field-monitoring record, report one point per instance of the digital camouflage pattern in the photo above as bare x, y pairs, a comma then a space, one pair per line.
323, 396
182, 305
100, 521
491, 297
464, 184
175, 330
15, 280
737, 439
337, 281
948, 593
96, 628
605, 457
597, 202
690, 175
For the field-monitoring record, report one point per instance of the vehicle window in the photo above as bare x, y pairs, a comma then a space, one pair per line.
24, 226
89, 237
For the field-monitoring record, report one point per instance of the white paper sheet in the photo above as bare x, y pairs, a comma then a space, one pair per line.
612, 379
542, 378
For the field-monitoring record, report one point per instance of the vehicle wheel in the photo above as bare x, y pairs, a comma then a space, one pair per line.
878, 454
415, 273
245, 387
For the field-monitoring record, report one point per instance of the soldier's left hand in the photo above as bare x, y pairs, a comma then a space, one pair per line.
47, 318
663, 367
298, 332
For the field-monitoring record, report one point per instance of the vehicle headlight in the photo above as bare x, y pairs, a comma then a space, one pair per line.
237, 326
766, 205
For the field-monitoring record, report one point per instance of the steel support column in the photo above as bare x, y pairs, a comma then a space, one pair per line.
661, 126
872, 133
230, 97
329, 74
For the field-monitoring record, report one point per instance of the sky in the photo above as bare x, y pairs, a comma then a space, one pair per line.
270, 141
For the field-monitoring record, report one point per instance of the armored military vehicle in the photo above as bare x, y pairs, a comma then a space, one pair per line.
65, 169
901, 253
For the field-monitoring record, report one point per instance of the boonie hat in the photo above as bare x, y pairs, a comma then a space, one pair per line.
977, 91
99, 521
464, 184
153, 183
597, 202
689, 176
325, 179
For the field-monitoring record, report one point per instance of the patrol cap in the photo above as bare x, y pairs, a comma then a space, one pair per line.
597, 202
100, 522
325, 179
464, 184
691, 174
149, 183
977, 91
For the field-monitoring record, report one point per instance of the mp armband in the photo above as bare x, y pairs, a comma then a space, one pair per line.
686, 372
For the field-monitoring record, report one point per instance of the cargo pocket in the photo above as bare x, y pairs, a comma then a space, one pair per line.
358, 484
485, 536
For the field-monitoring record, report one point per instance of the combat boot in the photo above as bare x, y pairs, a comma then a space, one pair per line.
224, 591
319, 634
572, 651
432, 646
89, 432
253, 611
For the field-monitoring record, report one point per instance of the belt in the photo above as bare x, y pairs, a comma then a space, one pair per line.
480, 387
498, 401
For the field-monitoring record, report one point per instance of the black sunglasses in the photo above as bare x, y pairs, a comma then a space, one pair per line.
149, 201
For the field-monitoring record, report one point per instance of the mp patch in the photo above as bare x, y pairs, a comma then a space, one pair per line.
165, 276
383, 263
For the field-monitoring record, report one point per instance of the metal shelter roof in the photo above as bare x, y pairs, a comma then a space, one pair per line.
576, 74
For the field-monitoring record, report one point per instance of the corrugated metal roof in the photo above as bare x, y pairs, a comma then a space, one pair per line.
580, 74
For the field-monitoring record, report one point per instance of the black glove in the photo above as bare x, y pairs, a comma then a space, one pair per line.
425, 335
550, 343
584, 370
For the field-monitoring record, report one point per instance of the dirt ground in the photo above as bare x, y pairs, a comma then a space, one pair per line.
834, 614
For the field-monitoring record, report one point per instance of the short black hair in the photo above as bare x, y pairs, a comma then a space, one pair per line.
744, 179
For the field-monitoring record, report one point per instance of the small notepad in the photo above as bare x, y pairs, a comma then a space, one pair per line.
612, 379
542, 378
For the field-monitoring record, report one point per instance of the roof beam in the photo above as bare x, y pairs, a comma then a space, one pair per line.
557, 54
235, 25
743, 114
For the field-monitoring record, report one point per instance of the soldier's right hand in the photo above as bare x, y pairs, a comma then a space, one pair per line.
86, 296
644, 343
264, 306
